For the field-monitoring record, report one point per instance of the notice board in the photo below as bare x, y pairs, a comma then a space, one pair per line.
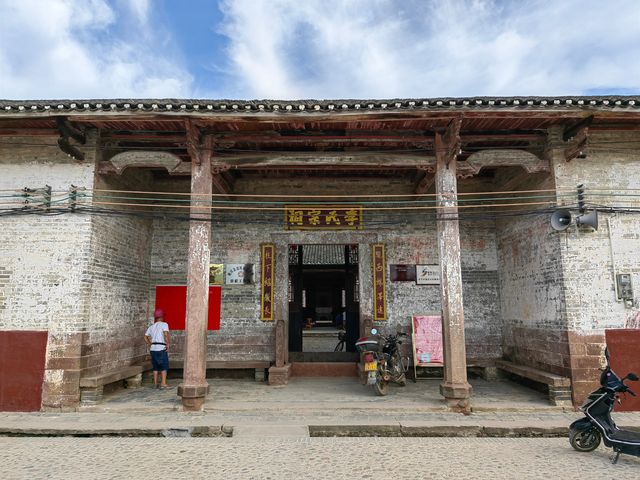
173, 300
426, 336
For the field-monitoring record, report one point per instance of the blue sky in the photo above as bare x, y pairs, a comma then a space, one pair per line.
294, 49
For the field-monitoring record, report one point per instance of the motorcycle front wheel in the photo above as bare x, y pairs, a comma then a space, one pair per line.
585, 440
381, 387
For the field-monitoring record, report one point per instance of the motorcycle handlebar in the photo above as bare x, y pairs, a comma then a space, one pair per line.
631, 392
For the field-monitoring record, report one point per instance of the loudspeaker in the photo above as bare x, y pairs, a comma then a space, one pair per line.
561, 219
590, 219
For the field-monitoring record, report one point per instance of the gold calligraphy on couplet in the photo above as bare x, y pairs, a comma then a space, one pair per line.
267, 283
378, 264
323, 217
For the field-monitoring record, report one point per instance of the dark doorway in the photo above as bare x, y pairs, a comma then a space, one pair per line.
323, 303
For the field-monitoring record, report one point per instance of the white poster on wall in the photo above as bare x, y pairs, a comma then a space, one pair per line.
239, 273
428, 274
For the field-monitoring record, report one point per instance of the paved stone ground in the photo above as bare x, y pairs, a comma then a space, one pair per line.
297, 457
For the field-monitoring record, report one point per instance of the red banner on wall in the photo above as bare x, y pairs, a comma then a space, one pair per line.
268, 280
173, 300
378, 264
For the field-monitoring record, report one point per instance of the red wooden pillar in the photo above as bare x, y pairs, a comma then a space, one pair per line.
455, 387
194, 388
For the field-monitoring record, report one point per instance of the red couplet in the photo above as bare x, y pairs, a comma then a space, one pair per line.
173, 300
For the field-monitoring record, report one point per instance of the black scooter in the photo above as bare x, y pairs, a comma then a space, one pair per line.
585, 434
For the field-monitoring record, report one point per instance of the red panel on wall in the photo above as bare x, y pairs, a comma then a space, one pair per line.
22, 359
623, 348
173, 300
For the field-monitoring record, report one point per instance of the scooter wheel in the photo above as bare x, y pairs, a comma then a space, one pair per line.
585, 440
381, 388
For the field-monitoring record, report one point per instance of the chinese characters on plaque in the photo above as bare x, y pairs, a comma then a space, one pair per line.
323, 217
378, 263
267, 283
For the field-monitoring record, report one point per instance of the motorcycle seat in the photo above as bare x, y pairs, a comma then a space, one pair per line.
626, 436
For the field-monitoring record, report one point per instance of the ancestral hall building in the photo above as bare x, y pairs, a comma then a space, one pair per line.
301, 218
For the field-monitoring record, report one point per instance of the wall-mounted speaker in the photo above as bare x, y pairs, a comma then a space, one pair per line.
561, 219
589, 219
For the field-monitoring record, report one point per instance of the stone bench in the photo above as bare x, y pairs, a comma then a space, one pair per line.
92, 387
260, 366
559, 386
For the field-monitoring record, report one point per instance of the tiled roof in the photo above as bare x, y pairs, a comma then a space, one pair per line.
310, 106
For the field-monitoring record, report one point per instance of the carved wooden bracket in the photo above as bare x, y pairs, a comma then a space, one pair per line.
427, 168
501, 158
193, 141
577, 146
576, 137
451, 140
145, 159
217, 168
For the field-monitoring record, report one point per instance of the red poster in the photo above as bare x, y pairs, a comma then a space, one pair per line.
427, 339
173, 300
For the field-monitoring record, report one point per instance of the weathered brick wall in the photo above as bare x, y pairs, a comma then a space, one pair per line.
236, 238
119, 275
532, 293
591, 304
44, 261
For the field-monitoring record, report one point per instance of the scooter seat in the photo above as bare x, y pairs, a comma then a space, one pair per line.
626, 436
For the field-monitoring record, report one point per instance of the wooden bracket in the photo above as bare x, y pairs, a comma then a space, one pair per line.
193, 141
576, 137
451, 140
67, 130
577, 145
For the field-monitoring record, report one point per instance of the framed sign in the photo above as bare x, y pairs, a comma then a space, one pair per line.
239, 274
428, 274
216, 273
426, 336
323, 217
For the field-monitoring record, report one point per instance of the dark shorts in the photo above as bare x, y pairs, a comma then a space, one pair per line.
160, 360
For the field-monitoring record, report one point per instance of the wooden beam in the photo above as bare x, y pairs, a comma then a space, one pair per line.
425, 184
575, 129
309, 159
577, 145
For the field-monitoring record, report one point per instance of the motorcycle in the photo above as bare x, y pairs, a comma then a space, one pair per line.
382, 361
585, 434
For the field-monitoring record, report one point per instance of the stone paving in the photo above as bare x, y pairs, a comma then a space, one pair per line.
296, 457
336, 407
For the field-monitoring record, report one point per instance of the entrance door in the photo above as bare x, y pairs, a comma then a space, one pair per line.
323, 301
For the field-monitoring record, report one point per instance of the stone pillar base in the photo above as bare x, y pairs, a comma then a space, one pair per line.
457, 396
279, 375
193, 396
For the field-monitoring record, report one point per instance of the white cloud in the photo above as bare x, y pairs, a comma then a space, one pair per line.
384, 48
67, 49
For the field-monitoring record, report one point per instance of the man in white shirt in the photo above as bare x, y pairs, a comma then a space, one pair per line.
157, 337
